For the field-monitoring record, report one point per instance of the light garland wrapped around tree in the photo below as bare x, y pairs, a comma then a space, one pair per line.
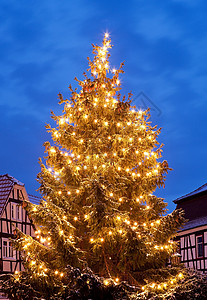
98, 209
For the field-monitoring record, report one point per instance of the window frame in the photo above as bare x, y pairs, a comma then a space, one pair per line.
13, 211
198, 244
18, 212
8, 252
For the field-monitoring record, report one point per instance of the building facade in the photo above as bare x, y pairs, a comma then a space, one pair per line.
12, 215
193, 235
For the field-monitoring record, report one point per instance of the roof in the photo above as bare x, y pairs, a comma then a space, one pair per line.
34, 199
195, 223
6, 185
199, 190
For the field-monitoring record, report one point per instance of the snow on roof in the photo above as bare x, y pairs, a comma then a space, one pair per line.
199, 190
195, 223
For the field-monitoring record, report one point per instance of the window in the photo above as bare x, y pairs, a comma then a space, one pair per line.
13, 211
199, 246
4, 248
7, 249
10, 249
18, 211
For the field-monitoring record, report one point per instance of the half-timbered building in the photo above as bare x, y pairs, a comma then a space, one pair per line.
12, 214
193, 235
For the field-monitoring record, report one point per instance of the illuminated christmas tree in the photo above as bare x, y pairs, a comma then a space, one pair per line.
98, 207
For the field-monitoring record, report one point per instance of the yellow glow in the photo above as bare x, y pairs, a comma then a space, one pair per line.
77, 191
118, 218
95, 167
117, 279
91, 240
61, 274
118, 124
106, 35
120, 231
68, 192
119, 169
56, 272
111, 194
110, 232
106, 123
75, 218
106, 282
120, 199
86, 216
180, 275
102, 239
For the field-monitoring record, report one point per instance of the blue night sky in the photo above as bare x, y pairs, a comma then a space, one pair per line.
44, 45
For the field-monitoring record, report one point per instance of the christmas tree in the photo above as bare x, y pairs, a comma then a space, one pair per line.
98, 210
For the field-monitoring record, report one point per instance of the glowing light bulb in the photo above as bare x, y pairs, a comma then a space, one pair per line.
106, 282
